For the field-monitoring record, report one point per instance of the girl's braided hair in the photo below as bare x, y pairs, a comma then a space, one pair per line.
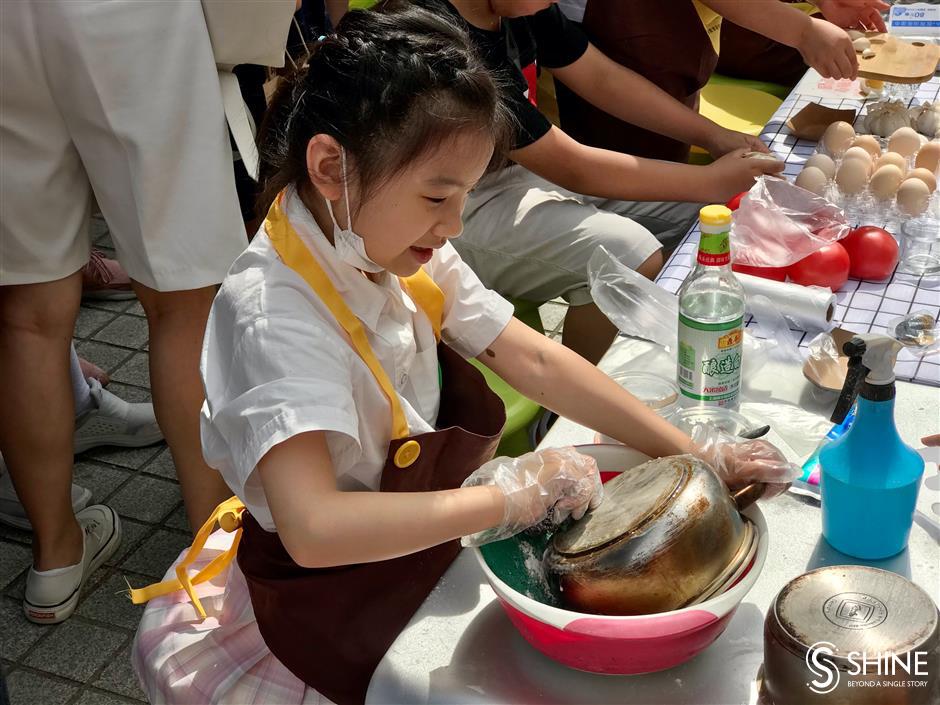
390, 85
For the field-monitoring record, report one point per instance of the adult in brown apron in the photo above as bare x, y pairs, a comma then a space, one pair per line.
665, 42
332, 626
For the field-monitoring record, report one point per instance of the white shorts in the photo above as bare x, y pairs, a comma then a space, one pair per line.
529, 239
121, 99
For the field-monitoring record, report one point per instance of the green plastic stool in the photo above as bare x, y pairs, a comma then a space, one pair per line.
735, 107
521, 412
775, 89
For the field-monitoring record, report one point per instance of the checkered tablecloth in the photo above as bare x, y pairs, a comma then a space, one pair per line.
862, 306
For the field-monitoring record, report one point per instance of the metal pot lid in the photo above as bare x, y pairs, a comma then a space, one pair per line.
855, 608
630, 500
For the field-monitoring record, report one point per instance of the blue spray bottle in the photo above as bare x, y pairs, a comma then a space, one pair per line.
869, 477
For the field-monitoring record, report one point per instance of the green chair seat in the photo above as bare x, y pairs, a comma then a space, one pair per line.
774, 89
735, 107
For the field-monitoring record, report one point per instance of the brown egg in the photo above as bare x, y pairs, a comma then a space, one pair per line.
929, 157
858, 154
926, 176
905, 141
884, 182
812, 179
838, 137
913, 196
870, 144
824, 163
892, 158
852, 176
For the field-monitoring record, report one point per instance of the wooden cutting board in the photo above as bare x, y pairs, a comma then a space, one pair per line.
899, 61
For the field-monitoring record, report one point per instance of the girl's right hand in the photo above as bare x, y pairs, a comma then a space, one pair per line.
734, 173
555, 483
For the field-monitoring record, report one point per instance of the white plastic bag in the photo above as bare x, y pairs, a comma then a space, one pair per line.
633, 303
779, 223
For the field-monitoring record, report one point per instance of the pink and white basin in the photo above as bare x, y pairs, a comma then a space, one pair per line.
631, 644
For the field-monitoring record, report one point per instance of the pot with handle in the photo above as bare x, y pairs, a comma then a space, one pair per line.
666, 531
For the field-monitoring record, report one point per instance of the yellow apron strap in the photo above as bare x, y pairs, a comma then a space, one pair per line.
711, 21
228, 516
295, 255
428, 297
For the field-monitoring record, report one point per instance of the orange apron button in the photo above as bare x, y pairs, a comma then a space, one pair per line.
407, 454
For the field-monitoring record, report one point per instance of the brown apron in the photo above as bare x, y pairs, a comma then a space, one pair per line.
332, 626
664, 42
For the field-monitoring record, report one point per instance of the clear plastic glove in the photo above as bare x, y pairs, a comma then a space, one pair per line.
554, 483
739, 462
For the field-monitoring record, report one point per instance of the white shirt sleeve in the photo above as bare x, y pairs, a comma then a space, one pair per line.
272, 376
474, 316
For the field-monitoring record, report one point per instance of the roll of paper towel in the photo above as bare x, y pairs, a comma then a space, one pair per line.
805, 307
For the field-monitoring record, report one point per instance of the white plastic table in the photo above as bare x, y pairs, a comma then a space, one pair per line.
461, 648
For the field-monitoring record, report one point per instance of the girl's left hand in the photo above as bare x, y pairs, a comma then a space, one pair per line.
739, 462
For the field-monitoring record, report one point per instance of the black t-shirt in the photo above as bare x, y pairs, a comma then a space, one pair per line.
547, 36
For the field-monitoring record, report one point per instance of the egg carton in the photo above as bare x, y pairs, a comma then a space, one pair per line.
878, 202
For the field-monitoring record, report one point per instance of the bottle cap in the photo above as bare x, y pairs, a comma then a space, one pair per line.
715, 215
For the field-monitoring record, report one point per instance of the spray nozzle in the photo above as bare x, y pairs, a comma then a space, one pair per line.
871, 359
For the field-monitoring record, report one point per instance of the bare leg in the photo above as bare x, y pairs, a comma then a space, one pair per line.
36, 325
177, 322
588, 331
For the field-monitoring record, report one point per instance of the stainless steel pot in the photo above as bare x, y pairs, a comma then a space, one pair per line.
852, 635
667, 532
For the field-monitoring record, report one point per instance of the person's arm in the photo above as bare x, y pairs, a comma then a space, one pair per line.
854, 14
606, 174
629, 96
335, 9
824, 46
563, 381
322, 526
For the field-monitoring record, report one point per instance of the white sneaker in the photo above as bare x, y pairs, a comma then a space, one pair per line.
51, 595
115, 422
13, 513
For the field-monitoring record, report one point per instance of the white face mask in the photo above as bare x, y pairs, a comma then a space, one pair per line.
350, 247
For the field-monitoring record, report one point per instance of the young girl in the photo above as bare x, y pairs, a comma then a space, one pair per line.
339, 405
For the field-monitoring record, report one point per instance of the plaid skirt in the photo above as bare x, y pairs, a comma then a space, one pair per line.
183, 660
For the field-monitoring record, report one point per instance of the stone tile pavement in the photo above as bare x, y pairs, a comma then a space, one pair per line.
86, 660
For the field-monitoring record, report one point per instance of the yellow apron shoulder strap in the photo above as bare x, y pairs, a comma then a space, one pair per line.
295, 255
428, 296
711, 21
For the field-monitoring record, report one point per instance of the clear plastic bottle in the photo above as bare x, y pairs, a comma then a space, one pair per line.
711, 320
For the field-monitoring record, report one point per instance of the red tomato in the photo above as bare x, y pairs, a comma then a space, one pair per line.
736, 201
776, 273
828, 267
872, 251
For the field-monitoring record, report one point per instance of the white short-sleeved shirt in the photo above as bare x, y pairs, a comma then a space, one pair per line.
275, 363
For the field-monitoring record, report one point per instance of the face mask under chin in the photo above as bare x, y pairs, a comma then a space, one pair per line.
350, 246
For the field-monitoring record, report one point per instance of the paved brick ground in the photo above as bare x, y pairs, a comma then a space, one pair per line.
86, 660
